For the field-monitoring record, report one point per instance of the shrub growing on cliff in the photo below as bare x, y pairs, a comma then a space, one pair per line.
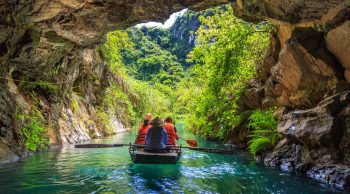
116, 102
33, 133
263, 133
30, 86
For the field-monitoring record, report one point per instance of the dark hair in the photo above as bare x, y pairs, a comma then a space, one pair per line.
145, 122
156, 122
168, 119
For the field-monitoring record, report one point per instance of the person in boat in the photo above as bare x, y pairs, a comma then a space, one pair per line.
144, 127
156, 137
170, 130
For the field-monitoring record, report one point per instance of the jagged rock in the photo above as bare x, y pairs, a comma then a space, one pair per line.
239, 135
7, 155
288, 158
305, 71
317, 141
338, 42
335, 175
345, 140
271, 58
292, 11
316, 127
253, 95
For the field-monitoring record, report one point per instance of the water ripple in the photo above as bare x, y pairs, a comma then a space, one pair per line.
110, 170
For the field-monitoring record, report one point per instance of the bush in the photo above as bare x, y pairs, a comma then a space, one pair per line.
115, 101
74, 104
225, 57
33, 134
263, 134
27, 86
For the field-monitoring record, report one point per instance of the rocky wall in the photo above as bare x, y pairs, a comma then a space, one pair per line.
306, 74
55, 42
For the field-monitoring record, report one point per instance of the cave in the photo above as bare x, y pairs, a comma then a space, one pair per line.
306, 72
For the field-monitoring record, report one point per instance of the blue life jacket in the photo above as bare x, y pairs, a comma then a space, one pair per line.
156, 138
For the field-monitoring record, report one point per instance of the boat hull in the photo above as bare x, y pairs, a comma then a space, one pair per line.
142, 157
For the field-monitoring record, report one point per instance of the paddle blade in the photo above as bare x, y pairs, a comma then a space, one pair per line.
192, 143
97, 145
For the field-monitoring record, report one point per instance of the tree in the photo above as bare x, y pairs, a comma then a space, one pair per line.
226, 55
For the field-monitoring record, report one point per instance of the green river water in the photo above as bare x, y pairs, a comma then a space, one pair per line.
110, 170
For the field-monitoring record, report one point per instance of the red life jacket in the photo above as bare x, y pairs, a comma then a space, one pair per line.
170, 130
141, 136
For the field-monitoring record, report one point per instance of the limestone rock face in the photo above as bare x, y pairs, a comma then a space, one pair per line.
321, 126
309, 79
253, 95
293, 11
338, 42
86, 22
304, 70
298, 76
299, 79
317, 141
271, 58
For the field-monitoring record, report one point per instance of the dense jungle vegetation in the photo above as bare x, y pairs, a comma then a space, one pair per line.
195, 71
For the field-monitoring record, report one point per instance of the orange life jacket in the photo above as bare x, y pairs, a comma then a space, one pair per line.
141, 136
170, 130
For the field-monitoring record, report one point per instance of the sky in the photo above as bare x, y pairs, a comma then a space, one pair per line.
167, 24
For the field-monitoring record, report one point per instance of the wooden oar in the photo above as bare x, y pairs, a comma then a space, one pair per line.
106, 145
209, 150
212, 150
190, 142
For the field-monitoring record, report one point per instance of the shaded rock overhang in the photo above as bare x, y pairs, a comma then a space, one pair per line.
85, 22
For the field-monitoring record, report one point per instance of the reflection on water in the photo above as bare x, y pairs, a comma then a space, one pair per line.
110, 170
155, 178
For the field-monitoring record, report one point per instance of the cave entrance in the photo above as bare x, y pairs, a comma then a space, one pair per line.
194, 67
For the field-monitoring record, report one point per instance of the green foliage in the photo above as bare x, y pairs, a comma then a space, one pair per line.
33, 134
74, 104
182, 38
111, 49
41, 85
150, 98
258, 143
263, 134
226, 55
115, 101
127, 98
148, 61
204, 90
159, 55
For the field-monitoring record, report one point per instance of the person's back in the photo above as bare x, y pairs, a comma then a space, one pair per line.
145, 126
170, 130
156, 136
141, 136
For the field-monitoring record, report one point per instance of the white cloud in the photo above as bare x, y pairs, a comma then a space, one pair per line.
167, 24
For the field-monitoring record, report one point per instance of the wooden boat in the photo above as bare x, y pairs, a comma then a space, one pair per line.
140, 156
